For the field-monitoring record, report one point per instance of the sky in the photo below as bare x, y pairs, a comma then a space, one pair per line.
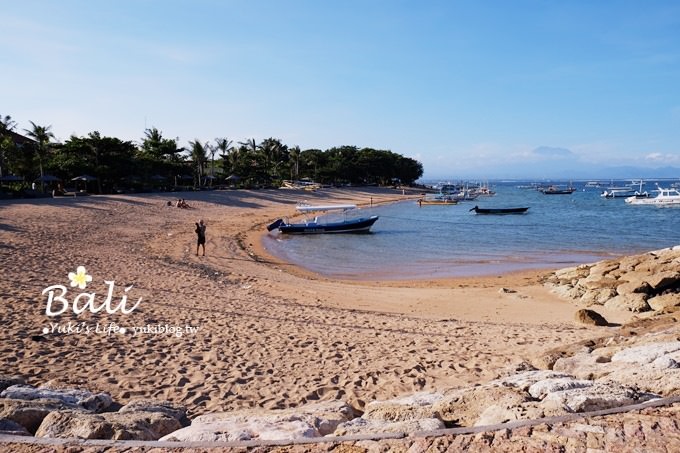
469, 88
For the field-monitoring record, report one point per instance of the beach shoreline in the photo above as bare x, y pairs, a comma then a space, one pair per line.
268, 334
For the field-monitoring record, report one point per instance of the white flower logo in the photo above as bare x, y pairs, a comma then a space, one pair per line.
80, 277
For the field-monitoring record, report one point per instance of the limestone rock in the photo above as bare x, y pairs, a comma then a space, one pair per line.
661, 381
601, 395
568, 291
585, 365
635, 302
597, 296
12, 428
364, 426
70, 397
412, 407
28, 414
523, 381
495, 414
463, 407
646, 353
662, 280
109, 425
599, 282
664, 301
541, 389
590, 317
634, 286
165, 407
312, 420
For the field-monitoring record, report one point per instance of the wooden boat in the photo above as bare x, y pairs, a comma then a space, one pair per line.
437, 200
499, 211
321, 225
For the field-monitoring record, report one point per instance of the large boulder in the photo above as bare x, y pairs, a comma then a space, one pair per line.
73, 398
109, 425
312, 420
590, 317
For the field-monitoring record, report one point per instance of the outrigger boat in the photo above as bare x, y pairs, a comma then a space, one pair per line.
499, 211
439, 199
319, 225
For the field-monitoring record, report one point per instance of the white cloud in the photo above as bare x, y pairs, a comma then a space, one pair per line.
660, 158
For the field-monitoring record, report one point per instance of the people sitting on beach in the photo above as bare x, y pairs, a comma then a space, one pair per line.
181, 203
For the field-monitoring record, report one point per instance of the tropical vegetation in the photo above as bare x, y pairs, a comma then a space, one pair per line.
109, 164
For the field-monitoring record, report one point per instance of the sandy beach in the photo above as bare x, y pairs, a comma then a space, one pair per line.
238, 328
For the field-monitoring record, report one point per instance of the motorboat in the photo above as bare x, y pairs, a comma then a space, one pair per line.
325, 224
664, 197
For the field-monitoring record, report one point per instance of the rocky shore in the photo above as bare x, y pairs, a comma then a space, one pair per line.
638, 364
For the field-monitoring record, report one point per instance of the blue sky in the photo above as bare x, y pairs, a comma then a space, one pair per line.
470, 88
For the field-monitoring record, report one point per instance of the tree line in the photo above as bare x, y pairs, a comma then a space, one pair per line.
158, 161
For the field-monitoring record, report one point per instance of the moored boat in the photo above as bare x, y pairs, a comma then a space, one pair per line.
554, 190
322, 225
499, 211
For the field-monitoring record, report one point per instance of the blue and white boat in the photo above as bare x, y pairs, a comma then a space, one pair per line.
319, 225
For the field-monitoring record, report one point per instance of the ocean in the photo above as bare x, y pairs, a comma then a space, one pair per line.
412, 242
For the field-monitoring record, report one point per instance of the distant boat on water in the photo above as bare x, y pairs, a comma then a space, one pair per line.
437, 200
555, 190
499, 211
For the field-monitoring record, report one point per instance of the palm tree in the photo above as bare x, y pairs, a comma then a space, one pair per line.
42, 136
198, 156
7, 125
295, 156
224, 145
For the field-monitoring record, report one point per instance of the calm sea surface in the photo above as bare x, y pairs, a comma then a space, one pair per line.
412, 242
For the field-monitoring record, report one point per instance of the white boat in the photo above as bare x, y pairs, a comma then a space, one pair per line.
665, 197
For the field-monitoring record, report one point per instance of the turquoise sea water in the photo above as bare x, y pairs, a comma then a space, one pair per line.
412, 242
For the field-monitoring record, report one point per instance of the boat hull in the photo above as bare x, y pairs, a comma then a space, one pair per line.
362, 225
499, 211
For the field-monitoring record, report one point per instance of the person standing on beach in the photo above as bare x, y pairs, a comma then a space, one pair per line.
200, 232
